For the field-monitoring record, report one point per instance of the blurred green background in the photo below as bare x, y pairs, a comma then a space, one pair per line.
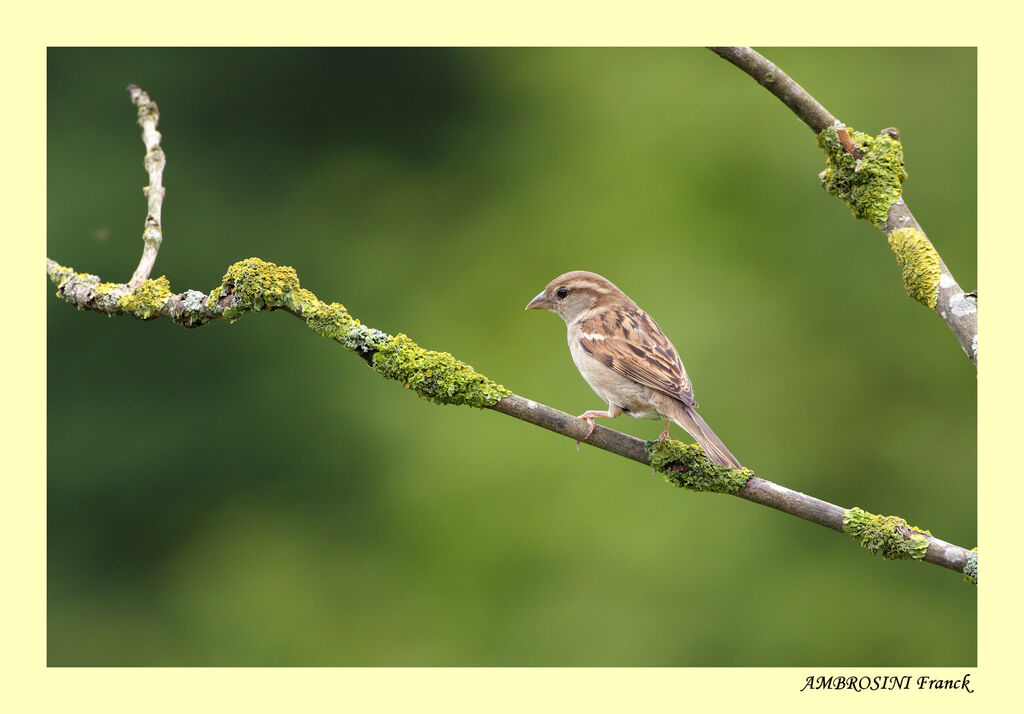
251, 494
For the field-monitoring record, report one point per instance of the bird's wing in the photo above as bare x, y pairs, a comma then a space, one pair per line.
631, 343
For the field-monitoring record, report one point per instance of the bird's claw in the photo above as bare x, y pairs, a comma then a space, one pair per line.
589, 431
664, 434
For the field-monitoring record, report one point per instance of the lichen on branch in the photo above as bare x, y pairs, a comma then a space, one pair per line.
147, 300
86, 292
436, 376
255, 285
889, 536
687, 466
866, 172
971, 568
920, 262
868, 176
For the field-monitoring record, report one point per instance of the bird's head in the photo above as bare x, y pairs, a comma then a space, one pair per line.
576, 294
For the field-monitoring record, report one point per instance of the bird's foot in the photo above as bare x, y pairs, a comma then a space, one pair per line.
664, 434
589, 417
590, 431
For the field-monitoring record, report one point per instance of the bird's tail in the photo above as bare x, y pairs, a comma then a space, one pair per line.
716, 451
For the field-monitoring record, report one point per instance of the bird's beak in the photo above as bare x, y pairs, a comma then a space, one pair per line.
539, 303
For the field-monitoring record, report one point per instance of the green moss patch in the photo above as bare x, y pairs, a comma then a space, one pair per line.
870, 180
920, 263
885, 535
687, 466
146, 301
331, 321
255, 285
436, 376
60, 274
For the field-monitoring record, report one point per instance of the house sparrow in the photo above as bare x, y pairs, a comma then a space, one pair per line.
626, 359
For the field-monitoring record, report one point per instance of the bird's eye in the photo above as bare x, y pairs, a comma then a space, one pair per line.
561, 293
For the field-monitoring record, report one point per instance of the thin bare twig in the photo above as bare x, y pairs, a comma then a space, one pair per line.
154, 162
959, 310
780, 84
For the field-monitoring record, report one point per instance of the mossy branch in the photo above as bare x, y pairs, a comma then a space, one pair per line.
253, 285
867, 173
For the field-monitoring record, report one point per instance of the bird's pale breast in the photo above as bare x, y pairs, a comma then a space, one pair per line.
612, 387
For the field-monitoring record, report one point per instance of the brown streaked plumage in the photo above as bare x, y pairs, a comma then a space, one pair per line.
626, 358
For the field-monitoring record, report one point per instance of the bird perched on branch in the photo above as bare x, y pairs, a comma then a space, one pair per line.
626, 358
